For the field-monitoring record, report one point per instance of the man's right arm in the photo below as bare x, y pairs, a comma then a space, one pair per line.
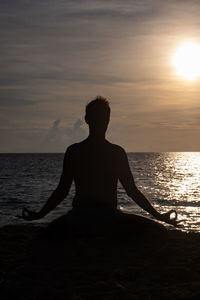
58, 195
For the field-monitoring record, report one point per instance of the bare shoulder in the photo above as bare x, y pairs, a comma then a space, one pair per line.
71, 150
72, 147
75, 148
118, 150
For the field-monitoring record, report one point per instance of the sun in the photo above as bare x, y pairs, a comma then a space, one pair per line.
186, 60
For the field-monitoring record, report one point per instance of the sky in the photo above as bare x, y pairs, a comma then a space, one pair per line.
56, 56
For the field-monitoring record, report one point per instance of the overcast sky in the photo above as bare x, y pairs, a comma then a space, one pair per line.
55, 56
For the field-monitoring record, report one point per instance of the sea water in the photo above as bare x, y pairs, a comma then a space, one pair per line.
169, 180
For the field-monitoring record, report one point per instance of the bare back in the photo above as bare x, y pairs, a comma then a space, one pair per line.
95, 168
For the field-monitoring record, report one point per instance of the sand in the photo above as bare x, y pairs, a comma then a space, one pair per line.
34, 268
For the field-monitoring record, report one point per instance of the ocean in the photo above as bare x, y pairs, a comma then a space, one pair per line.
170, 180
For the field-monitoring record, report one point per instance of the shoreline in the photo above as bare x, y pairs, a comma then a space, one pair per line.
97, 269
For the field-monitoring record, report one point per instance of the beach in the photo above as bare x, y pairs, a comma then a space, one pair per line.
32, 267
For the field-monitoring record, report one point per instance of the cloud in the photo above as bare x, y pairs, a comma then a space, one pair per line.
53, 139
54, 132
76, 133
59, 137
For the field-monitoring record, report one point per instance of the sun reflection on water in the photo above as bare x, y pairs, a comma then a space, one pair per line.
184, 185
186, 179
170, 180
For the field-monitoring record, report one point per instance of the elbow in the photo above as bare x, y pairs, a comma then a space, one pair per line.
60, 194
130, 194
133, 193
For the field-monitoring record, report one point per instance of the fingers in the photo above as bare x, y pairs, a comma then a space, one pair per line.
20, 217
176, 223
172, 218
26, 210
179, 221
26, 214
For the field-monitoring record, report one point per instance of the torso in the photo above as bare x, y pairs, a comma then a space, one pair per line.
95, 173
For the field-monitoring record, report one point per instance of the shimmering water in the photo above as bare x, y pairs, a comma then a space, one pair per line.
169, 180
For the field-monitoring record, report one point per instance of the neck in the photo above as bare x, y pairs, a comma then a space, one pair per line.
97, 136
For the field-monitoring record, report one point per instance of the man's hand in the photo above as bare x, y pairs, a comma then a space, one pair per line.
168, 218
29, 215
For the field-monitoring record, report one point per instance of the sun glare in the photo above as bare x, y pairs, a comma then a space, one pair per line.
186, 60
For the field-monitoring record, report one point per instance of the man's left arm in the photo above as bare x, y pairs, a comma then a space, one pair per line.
127, 180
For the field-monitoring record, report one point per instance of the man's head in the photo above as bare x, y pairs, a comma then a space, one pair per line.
97, 114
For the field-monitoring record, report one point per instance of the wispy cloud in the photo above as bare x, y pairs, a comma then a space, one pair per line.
56, 55
76, 133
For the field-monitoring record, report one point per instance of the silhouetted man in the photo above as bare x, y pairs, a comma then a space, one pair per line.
96, 165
